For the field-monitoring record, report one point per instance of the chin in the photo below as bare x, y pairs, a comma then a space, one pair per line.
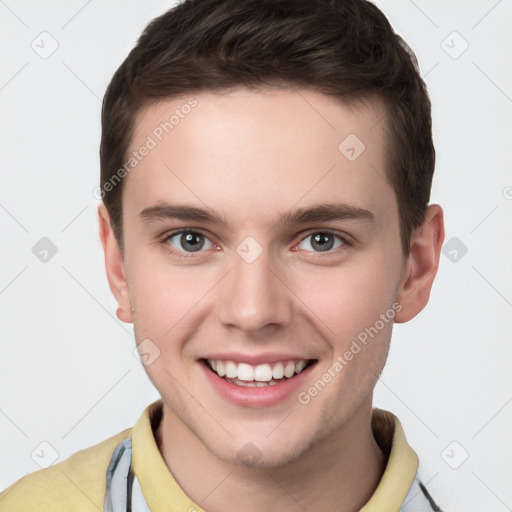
250, 456
262, 452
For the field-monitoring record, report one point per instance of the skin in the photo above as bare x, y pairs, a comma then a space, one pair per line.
252, 156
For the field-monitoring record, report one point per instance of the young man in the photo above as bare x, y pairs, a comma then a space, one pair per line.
265, 175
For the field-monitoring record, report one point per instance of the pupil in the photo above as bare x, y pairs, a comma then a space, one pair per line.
191, 241
322, 241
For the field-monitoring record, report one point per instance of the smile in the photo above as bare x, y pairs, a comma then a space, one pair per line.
261, 375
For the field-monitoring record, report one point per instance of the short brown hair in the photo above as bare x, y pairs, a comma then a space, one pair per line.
343, 48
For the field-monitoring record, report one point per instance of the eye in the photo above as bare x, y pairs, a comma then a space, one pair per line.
321, 241
188, 241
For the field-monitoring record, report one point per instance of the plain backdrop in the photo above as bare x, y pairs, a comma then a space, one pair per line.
68, 375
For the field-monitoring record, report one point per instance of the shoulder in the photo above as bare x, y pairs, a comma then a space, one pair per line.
77, 483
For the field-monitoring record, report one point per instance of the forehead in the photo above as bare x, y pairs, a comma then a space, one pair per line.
244, 150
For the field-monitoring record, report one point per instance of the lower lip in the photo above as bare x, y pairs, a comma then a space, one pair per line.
254, 396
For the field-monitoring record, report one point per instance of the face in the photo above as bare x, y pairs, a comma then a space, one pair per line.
264, 265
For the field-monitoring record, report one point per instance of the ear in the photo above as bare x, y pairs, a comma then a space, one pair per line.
421, 265
114, 266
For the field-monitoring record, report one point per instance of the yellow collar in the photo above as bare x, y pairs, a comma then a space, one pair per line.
401, 467
162, 492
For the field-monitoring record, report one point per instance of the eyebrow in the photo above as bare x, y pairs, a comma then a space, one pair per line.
315, 213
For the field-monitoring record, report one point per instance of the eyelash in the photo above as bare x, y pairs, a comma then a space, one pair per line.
182, 254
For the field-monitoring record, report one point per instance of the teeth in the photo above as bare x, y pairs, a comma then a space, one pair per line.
278, 371
300, 366
245, 372
289, 369
262, 374
231, 370
220, 369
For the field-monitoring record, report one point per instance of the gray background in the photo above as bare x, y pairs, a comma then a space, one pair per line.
68, 375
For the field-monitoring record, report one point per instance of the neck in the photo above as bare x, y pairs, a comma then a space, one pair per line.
340, 472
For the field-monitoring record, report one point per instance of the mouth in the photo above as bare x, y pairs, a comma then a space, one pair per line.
260, 375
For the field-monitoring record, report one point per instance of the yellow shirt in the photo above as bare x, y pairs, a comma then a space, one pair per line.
79, 482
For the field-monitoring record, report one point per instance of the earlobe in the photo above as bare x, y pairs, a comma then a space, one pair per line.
114, 266
421, 266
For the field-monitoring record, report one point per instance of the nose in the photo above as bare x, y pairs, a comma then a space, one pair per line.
255, 296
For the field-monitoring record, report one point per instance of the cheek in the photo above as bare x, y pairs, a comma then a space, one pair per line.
165, 295
167, 301
348, 299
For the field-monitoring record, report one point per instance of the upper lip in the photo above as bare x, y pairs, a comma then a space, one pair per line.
255, 359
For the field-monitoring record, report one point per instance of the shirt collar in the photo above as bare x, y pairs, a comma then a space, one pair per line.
160, 489
401, 467
163, 493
